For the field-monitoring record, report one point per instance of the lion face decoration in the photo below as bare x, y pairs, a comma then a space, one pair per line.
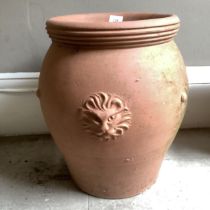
105, 116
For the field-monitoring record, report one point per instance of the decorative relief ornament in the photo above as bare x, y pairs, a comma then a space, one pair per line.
105, 115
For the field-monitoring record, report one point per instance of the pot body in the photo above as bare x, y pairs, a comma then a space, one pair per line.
145, 86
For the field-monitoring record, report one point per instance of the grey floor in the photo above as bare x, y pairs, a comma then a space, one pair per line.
33, 176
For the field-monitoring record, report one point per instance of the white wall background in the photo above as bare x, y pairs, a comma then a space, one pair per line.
23, 40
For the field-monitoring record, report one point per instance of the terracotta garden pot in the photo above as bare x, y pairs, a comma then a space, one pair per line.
113, 95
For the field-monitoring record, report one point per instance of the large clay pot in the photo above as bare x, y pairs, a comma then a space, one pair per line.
113, 96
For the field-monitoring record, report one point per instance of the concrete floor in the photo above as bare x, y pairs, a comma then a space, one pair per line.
33, 176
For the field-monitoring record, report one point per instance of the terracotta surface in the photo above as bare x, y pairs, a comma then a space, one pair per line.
113, 96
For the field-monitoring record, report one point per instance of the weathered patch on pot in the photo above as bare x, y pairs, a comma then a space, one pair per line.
105, 115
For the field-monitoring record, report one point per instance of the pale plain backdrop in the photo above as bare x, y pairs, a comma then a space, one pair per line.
24, 42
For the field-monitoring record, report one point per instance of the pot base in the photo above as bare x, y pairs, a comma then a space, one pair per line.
122, 195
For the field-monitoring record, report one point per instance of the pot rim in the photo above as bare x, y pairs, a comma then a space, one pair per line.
95, 30
100, 21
